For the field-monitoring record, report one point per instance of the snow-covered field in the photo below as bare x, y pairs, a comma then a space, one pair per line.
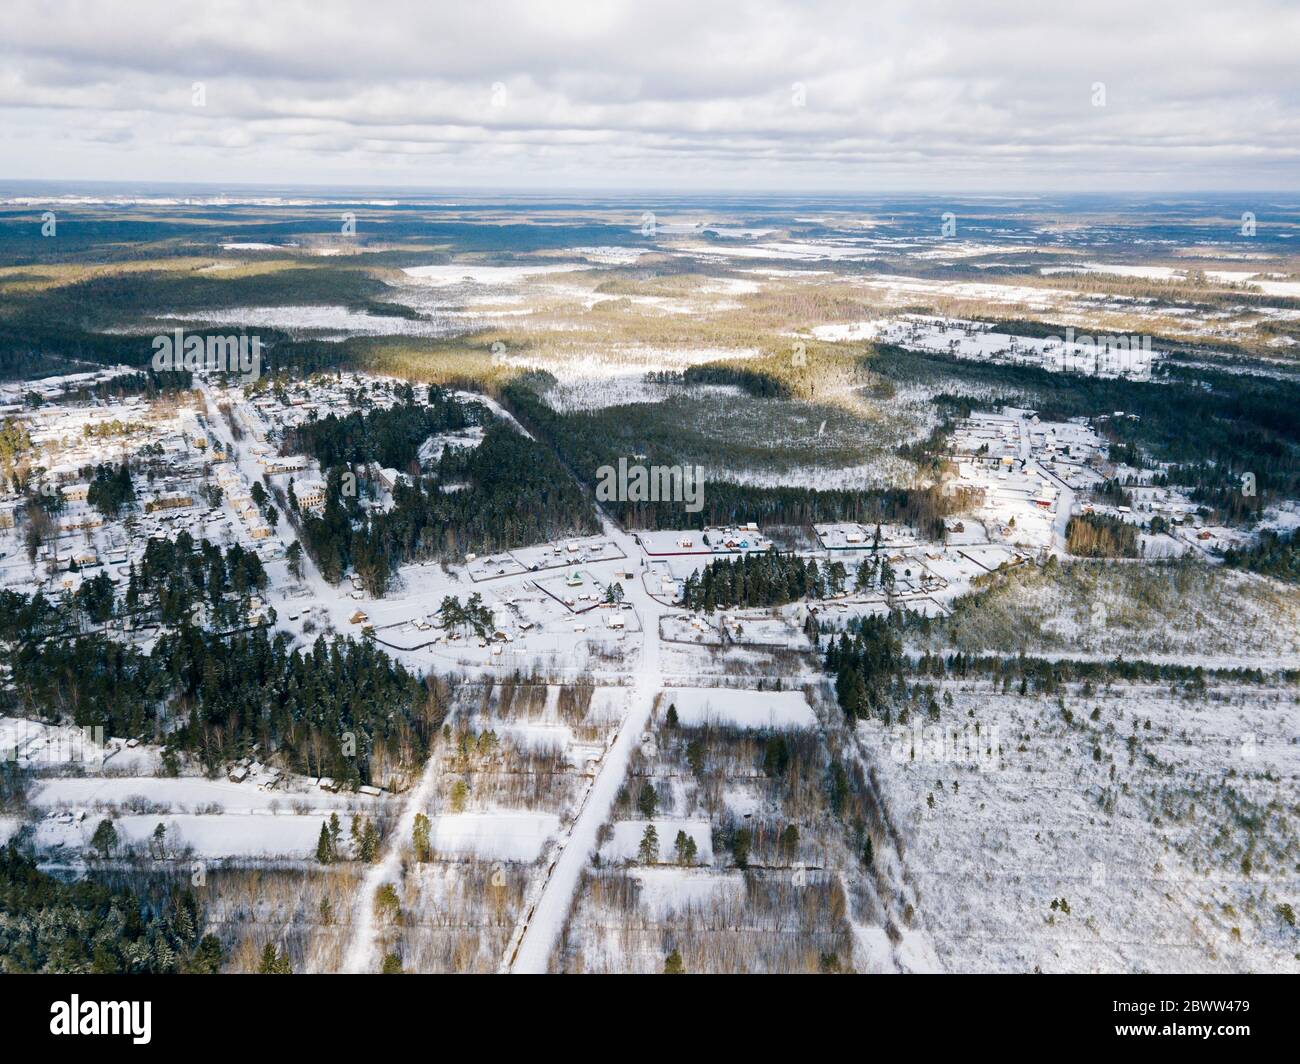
476, 274
628, 834
324, 322
669, 892
183, 794
1252, 279
204, 836
1101, 355
745, 709
615, 375
504, 834
1150, 814
1179, 613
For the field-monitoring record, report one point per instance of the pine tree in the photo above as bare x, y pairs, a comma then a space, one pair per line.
105, 838
648, 801
387, 903
160, 840
369, 842
420, 838
206, 958
679, 846
673, 964
648, 851
325, 846
294, 556
274, 962
740, 844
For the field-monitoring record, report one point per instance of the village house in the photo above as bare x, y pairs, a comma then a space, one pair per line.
310, 493
169, 500
275, 465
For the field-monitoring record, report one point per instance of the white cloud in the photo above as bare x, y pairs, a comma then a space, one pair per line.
930, 94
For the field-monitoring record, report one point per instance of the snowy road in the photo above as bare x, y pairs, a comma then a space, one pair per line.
1064, 507
539, 931
362, 954
545, 921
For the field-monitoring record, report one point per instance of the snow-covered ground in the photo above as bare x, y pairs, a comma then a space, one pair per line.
477, 274
323, 322
614, 375
1099, 355
1137, 808
184, 794
628, 834
532, 836
212, 837
745, 709
503, 834
1180, 614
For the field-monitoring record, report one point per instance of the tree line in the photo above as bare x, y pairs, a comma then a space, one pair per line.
1274, 554
766, 578
509, 491
48, 925
338, 708
1101, 536
587, 440
390, 437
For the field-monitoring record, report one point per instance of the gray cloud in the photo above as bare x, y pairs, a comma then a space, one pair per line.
765, 94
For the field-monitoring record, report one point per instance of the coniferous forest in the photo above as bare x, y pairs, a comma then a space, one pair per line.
587, 440
339, 708
1101, 536
88, 927
509, 491
761, 579
390, 437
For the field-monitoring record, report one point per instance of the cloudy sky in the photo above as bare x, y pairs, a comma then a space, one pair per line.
796, 96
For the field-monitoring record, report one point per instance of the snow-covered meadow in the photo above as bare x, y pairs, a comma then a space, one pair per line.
1129, 829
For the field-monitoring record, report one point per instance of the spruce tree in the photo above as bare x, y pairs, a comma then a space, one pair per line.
681, 844
105, 838
369, 842
420, 838
648, 851
648, 801
325, 846
740, 844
